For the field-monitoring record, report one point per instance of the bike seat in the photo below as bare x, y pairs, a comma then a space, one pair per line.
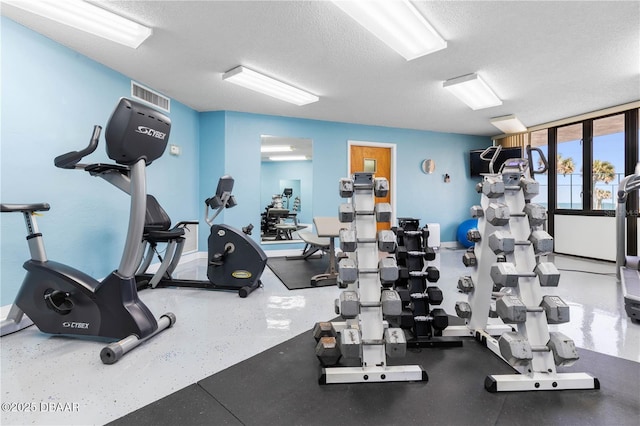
100, 168
160, 236
34, 207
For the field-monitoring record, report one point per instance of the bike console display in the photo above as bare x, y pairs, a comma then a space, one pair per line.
136, 132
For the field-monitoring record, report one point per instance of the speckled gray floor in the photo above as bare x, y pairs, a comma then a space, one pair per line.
62, 381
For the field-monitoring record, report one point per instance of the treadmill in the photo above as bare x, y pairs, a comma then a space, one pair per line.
627, 267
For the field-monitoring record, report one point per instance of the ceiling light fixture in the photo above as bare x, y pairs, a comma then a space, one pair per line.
276, 148
89, 18
398, 24
509, 124
250, 79
473, 91
288, 158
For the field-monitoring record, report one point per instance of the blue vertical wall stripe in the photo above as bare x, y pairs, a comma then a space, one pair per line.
211, 166
51, 98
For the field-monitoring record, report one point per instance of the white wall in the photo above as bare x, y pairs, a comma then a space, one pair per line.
588, 236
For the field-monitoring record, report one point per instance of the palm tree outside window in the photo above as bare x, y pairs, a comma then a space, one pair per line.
608, 160
569, 167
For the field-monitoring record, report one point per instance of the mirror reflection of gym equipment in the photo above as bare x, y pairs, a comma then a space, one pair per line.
279, 221
286, 170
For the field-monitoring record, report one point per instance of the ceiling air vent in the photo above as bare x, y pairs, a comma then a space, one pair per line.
145, 94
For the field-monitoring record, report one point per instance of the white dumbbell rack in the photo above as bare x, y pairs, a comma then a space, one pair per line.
538, 373
368, 327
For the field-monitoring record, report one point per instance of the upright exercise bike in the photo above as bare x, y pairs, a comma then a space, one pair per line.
62, 300
235, 261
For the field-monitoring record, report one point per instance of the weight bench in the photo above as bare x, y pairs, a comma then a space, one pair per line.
312, 244
284, 231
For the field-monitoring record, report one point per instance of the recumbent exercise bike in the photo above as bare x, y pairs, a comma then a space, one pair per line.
235, 261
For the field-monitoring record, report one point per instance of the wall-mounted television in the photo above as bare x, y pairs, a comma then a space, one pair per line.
477, 165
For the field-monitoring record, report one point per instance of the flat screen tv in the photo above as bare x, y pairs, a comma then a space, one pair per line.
477, 165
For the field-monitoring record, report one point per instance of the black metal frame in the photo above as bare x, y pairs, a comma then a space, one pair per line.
631, 158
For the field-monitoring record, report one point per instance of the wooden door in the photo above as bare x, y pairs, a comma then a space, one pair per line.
364, 158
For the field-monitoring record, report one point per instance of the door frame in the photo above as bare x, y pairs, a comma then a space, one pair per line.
393, 168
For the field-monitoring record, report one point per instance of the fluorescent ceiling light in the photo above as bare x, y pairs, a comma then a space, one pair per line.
89, 18
473, 91
509, 124
398, 24
276, 148
288, 158
245, 77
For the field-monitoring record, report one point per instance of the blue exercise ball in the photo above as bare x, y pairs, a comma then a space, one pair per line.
463, 228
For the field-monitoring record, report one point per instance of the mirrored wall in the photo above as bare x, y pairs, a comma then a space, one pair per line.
286, 183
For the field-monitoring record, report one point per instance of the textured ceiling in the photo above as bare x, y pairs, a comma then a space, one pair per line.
545, 60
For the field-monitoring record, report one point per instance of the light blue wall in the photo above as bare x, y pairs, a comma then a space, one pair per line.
426, 197
51, 98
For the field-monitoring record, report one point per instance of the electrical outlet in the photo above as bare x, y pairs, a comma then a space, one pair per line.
174, 149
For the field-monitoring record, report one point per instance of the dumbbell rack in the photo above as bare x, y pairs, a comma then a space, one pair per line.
364, 334
425, 324
531, 349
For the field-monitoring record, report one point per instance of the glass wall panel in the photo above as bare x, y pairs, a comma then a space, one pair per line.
607, 168
569, 167
539, 139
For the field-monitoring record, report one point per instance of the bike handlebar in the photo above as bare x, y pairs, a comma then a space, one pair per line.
70, 159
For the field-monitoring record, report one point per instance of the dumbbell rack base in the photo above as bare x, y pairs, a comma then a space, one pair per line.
404, 373
540, 381
533, 381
